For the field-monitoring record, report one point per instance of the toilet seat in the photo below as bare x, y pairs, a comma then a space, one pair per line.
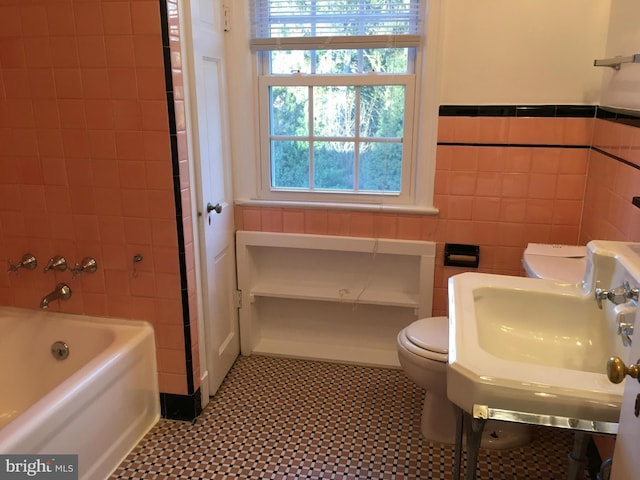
429, 338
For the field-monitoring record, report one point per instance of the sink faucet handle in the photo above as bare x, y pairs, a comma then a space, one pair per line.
625, 329
631, 293
618, 295
600, 295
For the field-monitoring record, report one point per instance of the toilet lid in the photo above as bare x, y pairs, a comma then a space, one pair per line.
430, 333
555, 268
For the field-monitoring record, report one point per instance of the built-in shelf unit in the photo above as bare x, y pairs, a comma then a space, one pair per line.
331, 298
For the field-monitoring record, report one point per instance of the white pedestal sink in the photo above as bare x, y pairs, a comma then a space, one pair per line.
535, 351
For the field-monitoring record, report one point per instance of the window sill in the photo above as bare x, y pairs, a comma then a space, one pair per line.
415, 209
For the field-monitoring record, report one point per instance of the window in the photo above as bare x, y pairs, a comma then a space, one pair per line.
337, 94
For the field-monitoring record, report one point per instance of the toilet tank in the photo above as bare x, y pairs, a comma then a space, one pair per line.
564, 263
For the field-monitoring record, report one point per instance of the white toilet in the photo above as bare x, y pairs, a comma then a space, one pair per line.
423, 354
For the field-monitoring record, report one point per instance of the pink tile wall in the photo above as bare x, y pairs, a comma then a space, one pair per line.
86, 161
608, 211
499, 197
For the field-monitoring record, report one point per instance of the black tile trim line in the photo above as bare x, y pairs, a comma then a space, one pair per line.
527, 145
181, 407
184, 294
619, 115
576, 111
614, 114
512, 145
616, 157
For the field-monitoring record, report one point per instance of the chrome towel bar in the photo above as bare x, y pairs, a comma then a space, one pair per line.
615, 62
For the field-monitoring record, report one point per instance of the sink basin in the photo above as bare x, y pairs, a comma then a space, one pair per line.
539, 347
546, 329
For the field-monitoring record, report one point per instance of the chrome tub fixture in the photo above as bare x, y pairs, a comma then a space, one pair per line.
61, 292
28, 262
57, 263
86, 265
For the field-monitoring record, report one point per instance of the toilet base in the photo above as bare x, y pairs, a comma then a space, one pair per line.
438, 419
438, 424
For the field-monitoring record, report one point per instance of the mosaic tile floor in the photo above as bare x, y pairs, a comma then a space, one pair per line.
276, 418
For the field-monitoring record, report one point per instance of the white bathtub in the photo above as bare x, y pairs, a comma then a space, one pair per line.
97, 403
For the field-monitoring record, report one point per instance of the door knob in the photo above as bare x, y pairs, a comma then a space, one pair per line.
617, 370
217, 208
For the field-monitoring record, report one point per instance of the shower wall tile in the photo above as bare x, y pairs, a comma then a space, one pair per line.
145, 18
86, 160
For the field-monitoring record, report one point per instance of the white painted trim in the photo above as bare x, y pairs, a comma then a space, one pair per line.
377, 207
191, 117
244, 118
426, 112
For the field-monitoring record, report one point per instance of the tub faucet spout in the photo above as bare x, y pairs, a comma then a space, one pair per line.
61, 292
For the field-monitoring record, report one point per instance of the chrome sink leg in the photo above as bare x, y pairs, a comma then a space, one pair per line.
578, 456
457, 458
475, 427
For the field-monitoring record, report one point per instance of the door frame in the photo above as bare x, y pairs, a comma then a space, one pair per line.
186, 51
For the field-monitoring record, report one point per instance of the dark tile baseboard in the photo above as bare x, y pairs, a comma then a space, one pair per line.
518, 111
619, 115
181, 407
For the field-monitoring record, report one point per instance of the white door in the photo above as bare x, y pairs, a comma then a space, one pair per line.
214, 196
626, 461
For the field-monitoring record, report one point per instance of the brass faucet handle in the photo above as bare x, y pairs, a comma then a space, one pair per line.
617, 370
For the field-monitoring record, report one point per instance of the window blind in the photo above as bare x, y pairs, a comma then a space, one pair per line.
334, 24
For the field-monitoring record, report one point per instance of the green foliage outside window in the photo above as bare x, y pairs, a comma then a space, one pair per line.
352, 141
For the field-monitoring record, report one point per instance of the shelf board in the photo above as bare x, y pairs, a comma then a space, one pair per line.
328, 352
340, 295
335, 243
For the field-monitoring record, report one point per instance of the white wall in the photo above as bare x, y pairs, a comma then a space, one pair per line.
486, 52
622, 88
524, 51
